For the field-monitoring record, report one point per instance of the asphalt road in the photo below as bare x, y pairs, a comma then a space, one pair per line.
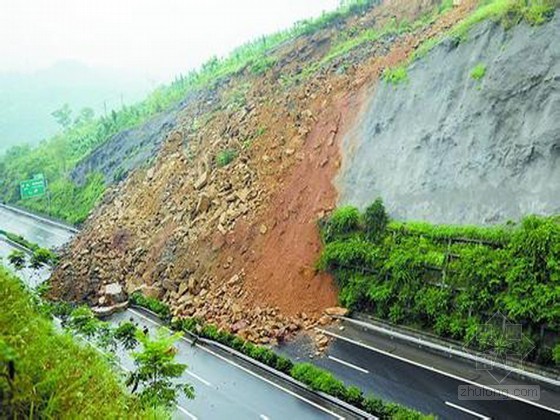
45, 234
224, 387
376, 370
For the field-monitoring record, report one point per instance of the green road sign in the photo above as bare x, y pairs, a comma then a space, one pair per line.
35, 187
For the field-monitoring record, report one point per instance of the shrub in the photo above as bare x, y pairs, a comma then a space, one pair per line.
478, 72
376, 220
396, 75
318, 379
154, 305
343, 221
225, 157
53, 376
556, 354
449, 278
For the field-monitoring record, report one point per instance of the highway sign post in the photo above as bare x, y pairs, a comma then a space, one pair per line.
35, 187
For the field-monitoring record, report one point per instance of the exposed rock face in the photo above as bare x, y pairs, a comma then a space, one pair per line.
447, 148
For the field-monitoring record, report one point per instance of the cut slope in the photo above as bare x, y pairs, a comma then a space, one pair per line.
453, 146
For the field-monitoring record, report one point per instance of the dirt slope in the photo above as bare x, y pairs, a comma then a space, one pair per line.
237, 244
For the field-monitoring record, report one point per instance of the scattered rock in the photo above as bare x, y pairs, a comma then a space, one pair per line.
336, 311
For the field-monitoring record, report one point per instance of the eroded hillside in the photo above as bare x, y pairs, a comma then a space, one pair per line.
223, 225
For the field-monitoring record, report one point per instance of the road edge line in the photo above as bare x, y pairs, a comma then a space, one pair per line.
441, 372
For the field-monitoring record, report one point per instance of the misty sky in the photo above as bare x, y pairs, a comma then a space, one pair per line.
155, 38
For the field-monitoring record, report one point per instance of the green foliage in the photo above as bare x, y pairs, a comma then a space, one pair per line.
42, 257
17, 258
20, 240
448, 279
318, 379
156, 371
225, 157
376, 220
46, 374
154, 305
556, 354
342, 222
478, 72
395, 76
323, 381
507, 12
125, 333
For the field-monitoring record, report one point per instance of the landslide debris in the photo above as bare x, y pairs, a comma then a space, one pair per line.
223, 225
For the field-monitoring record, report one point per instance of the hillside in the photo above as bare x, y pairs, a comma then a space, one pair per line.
28, 99
222, 224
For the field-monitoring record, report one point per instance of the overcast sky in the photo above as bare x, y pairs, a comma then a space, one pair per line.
156, 38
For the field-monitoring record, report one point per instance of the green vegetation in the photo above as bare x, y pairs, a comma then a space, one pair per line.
157, 371
316, 378
450, 279
47, 374
506, 12
478, 72
225, 157
396, 75
154, 305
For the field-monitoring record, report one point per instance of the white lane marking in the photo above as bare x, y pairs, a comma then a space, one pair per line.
466, 410
432, 369
244, 369
123, 367
350, 365
195, 376
263, 417
190, 415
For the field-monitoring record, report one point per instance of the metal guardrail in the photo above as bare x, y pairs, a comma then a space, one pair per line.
448, 349
280, 375
43, 219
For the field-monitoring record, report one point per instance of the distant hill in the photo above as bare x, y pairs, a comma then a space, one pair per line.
28, 99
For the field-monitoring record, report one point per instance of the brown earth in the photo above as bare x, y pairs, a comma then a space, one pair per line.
237, 244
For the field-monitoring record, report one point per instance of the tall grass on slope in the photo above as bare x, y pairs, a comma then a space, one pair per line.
507, 12
46, 374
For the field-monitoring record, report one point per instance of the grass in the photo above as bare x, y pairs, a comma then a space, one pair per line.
478, 72
506, 12
53, 375
225, 157
395, 76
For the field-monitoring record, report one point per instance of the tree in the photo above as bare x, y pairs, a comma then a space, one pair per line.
125, 333
376, 220
63, 116
86, 115
17, 259
156, 371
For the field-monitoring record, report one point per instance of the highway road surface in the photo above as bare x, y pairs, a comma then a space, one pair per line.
415, 378
225, 388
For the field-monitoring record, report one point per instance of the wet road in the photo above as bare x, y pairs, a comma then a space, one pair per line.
225, 388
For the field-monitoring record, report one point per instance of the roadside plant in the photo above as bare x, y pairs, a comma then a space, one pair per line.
156, 374
17, 259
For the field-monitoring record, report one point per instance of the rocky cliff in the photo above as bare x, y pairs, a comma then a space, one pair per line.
451, 146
